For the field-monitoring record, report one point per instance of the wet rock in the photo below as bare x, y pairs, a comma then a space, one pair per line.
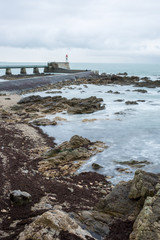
44, 122
125, 73
140, 90
119, 100
64, 156
134, 163
54, 225
96, 166
143, 185
118, 204
131, 102
19, 197
88, 105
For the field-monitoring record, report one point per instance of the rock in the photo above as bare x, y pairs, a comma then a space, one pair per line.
131, 102
54, 225
119, 100
44, 122
140, 90
19, 197
96, 166
117, 202
88, 105
64, 156
134, 163
147, 225
33, 98
125, 73
143, 185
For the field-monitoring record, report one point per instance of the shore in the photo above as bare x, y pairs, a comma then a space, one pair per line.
29, 158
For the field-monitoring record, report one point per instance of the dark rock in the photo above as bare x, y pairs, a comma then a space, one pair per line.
20, 198
96, 166
131, 102
34, 98
140, 90
134, 163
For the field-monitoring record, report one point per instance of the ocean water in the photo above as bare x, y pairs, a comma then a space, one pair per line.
142, 70
131, 132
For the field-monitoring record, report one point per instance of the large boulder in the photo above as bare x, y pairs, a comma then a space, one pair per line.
118, 204
56, 225
143, 184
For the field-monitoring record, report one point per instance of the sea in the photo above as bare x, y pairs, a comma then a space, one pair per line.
131, 132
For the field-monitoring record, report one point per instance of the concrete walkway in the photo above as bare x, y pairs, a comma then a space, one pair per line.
31, 83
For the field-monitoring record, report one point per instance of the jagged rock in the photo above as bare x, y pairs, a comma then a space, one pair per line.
143, 185
44, 122
147, 225
54, 225
88, 105
65, 155
117, 203
20, 198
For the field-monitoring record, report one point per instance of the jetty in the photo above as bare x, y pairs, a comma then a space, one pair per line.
52, 67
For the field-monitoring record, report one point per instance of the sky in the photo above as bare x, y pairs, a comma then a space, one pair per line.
99, 31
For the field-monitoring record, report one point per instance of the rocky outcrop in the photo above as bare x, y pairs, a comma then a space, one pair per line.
143, 185
43, 122
61, 159
54, 225
147, 225
59, 104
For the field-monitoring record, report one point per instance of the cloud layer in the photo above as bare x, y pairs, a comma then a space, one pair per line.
96, 30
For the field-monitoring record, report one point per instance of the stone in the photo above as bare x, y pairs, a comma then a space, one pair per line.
33, 98
19, 197
117, 202
147, 224
54, 224
131, 103
96, 166
143, 185
140, 90
44, 122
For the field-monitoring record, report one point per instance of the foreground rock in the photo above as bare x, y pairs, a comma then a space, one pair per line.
20, 198
54, 225
63, 157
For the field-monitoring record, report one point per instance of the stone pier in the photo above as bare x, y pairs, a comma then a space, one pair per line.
8, 71
36, 70
23, 71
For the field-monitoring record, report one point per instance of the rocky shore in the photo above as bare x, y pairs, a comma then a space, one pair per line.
42, 197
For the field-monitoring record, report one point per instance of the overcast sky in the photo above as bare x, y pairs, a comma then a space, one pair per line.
88, 30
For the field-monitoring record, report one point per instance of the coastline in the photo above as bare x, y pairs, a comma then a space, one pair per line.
23, 143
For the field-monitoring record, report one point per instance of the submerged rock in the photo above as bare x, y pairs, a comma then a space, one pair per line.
131, 102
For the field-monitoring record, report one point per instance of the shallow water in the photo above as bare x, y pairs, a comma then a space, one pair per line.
133, 134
